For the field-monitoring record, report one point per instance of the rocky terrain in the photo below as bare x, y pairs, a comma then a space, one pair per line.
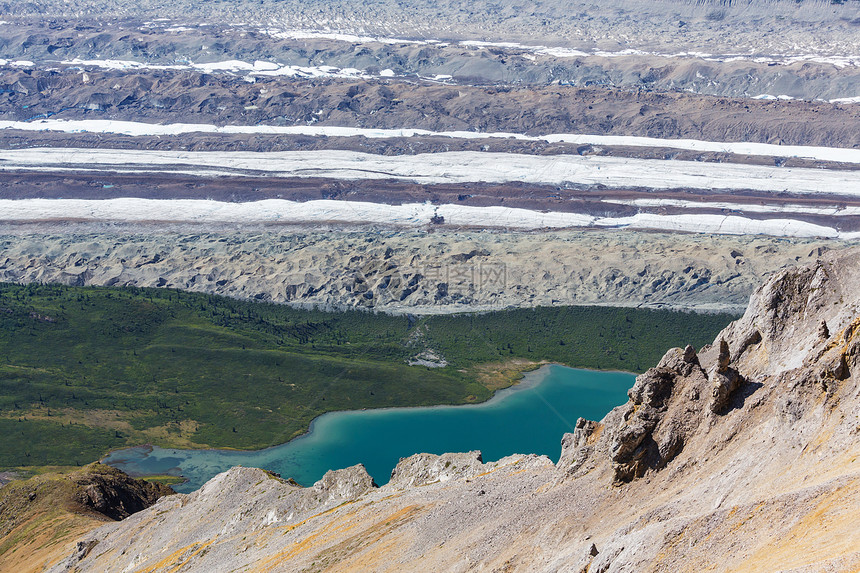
743, 165
176, 96
41, 518
741, 456
760, 27
50, 52
407, 271
425, 157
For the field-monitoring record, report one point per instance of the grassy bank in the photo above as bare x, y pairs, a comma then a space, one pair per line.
84, 370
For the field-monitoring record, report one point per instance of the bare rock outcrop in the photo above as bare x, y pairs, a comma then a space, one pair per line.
645, 433
62, 507
422, 469
577, 447
338, 486
724, 380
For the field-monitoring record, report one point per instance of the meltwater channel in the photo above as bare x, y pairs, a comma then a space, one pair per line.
529, 418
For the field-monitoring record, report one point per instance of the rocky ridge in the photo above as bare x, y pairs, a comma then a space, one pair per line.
160, 96
41, 517
421, 272
742, 456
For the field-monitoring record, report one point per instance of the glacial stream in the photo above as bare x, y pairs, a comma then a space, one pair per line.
530, 417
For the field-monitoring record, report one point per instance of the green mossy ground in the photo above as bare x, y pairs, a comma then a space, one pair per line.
84, 369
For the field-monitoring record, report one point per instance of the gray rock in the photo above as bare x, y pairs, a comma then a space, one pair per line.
647, 438
823, 331
337, 486
422, 469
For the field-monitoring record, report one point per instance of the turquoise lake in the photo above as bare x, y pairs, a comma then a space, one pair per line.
529, 418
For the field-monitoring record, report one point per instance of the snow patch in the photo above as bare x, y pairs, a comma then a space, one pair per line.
721, 224
258, 68
855, 99
838, 154
339, 37
832, 211
839, 61
449, 167
409, 215
782, 97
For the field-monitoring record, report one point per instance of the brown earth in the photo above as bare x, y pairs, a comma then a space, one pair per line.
42, 517
191, 97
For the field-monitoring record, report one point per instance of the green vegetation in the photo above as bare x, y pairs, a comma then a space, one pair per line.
602, 338
164, 479
85, 370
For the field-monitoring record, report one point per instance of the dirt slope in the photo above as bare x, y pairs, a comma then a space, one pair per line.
42, 517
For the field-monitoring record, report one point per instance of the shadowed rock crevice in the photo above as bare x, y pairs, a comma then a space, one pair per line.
648, 439
725, 380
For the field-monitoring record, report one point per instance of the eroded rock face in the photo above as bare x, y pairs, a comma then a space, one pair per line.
577, 447
724, 380
644, 441
839, 357
782, 323
343, 485
644, 433
116, 495
422, 469
60, 507
784, 315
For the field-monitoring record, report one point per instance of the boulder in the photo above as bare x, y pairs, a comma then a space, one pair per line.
423, 469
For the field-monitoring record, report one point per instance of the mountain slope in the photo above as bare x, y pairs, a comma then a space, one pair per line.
743, 457
40, 518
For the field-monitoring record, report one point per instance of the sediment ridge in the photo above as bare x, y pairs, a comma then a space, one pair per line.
417, 271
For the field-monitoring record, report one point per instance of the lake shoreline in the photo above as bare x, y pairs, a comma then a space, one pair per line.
520, 384
529, 379
547, 401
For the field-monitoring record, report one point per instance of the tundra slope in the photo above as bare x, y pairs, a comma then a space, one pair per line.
41, 517
741, 457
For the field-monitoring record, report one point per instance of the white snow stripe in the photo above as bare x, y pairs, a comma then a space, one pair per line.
839, 61
135, 128
410, 215
258, 68
450, 167
832, 211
